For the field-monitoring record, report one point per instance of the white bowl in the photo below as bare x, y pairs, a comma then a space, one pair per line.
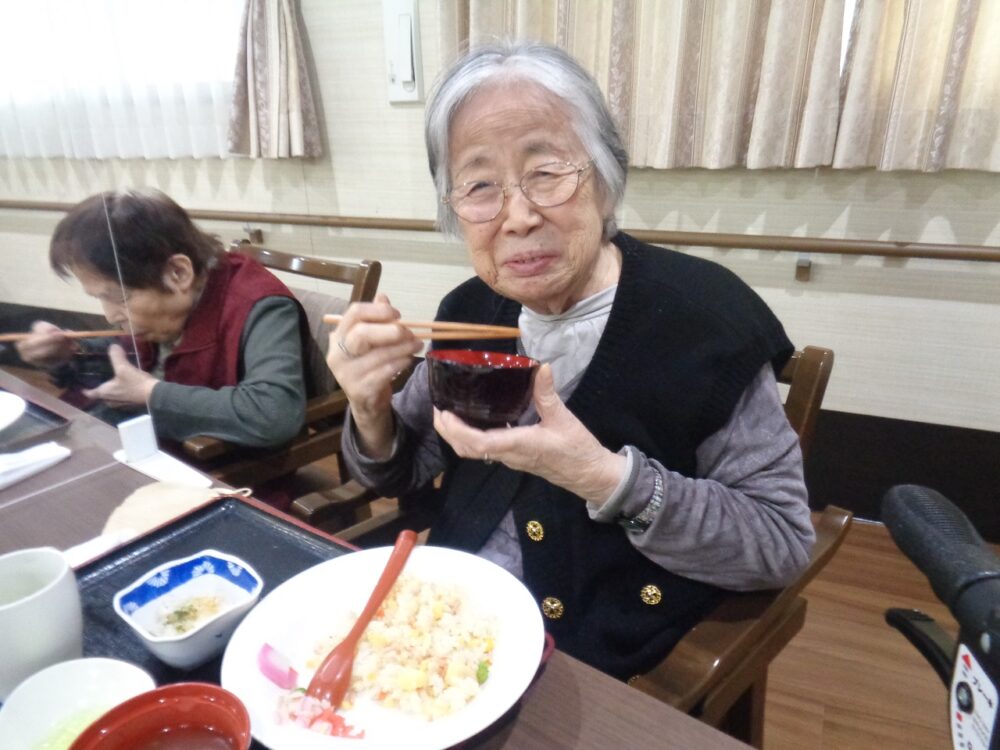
60, 701
185, 610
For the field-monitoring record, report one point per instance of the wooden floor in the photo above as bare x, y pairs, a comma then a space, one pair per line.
848, 681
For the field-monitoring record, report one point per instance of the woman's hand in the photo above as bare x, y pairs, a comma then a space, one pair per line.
558, 448
366, 351
129, 386
47, 346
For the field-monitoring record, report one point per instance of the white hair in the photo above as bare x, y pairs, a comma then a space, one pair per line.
560, 75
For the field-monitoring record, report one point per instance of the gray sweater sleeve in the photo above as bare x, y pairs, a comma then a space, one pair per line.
418, 453
743, 522
267, 407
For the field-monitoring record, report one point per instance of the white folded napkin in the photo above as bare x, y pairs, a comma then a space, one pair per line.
94, 548
165, 468
17, 466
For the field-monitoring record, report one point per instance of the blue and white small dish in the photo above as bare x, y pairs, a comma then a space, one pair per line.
185, 610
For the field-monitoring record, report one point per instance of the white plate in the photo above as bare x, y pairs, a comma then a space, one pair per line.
11, 408
295, 616
63, 699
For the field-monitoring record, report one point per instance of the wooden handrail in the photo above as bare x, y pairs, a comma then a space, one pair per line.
781, 243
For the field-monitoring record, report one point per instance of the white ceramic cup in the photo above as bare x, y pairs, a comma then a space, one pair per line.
41, 621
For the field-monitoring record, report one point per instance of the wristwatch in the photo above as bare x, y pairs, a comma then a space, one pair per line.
640, 522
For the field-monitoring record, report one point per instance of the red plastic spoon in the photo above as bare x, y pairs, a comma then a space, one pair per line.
333, 678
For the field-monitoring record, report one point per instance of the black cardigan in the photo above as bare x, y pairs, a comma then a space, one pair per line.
684, 339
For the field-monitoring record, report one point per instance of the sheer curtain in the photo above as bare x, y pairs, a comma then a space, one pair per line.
116, 78
922, 86
698, 83
273, 112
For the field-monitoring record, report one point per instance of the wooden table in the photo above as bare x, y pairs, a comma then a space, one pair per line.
570, 705
67, 503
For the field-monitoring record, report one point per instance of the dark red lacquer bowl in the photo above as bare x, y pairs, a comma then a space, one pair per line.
183, 715
485, 389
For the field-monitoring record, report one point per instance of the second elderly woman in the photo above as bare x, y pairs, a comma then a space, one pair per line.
220, 339
657, 466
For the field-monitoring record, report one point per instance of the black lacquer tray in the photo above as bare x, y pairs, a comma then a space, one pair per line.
276, 548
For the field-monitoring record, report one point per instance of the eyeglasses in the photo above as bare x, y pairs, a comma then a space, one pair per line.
549, 185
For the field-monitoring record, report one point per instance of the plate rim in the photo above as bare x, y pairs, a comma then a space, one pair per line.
16, 411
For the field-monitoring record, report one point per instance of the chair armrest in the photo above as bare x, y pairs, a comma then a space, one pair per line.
382, 529
709, 650
318, 408
328, 405
205, 448
376, 531
318, 507
724, 641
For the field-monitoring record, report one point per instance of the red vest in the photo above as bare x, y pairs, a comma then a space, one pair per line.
208, 353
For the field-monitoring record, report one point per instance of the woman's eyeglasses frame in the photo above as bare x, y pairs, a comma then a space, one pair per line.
577, 172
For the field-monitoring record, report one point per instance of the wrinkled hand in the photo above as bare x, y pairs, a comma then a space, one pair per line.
559, 448
129, 386
47, 346
367, 349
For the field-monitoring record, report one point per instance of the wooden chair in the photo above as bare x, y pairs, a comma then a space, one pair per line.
806, 374
240, 466
718, 671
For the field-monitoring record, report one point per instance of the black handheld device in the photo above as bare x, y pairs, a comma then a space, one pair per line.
964, 573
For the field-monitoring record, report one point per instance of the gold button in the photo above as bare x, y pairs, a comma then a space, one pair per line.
535, 530
552, 608
651, 594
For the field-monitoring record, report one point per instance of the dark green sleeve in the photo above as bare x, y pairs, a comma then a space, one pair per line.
266, 408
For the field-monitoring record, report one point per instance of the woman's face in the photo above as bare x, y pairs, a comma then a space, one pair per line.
545, 258
155, 315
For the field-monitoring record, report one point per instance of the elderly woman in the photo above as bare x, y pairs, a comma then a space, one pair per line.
220, 339
657, 465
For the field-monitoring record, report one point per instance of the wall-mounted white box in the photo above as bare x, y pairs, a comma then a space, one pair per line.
402, 50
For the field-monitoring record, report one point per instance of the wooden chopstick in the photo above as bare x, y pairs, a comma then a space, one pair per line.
10, 337
467, 333
444, 331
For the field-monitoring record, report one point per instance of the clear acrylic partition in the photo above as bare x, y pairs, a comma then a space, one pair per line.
56, 444
116, 89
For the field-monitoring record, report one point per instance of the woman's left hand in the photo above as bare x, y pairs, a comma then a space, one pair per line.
558, 448
129, 386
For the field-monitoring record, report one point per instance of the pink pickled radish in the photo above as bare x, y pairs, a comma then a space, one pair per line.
276, 667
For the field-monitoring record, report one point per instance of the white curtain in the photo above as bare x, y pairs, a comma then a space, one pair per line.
116, 78
698, 83
273, 112
922, 86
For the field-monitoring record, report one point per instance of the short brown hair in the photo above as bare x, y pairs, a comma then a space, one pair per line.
149, 227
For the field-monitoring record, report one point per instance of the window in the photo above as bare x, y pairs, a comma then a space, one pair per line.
117, 78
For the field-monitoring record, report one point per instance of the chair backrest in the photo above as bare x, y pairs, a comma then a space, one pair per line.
325, 409
363, 278
806, 374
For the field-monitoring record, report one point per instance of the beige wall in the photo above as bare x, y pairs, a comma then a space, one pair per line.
914, 339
